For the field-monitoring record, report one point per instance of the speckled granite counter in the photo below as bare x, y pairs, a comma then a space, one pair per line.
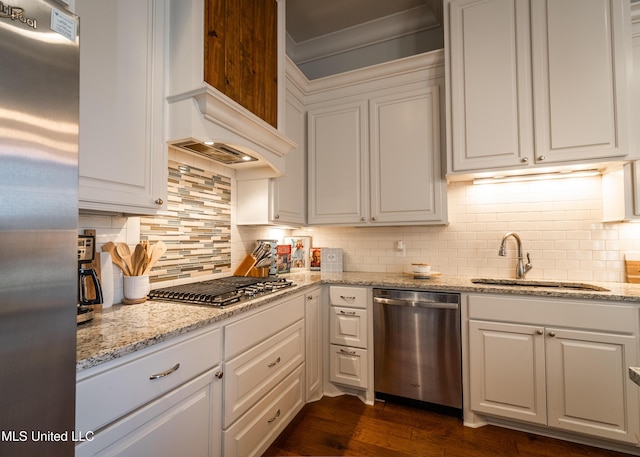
634, 374
123, 329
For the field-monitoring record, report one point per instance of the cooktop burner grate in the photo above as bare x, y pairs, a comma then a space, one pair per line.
221, 291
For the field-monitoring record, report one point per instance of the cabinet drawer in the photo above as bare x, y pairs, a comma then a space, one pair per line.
348, 366
109, 394
257, 429
248, 332
178, 423
354, 297
348, 326
584, 314
252, 374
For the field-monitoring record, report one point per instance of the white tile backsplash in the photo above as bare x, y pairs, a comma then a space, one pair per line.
559, 222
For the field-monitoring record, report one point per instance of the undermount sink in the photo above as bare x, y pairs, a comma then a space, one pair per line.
540, 283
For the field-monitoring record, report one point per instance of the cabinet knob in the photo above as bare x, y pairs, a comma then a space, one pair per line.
309, 297
524, 160
541, 158
552, 334
373, 219
539, 332
219, 374
362, 219
277, 216
159, 201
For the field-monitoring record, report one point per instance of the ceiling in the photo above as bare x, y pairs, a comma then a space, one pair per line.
317, 29
309, 19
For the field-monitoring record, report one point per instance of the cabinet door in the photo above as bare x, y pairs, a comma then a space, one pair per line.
490, 120
348, 326
589, 390
507, 370
185, 421
123, 160
581, 54
314, 345
338, 148
290, 190
406, 175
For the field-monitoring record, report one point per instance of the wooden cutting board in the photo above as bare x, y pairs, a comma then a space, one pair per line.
632, 264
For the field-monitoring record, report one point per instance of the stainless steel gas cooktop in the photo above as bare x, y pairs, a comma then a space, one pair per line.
222, 291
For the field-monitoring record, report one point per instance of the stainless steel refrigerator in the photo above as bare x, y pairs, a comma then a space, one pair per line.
39, 91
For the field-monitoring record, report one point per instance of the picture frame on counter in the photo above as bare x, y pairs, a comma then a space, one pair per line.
300, 252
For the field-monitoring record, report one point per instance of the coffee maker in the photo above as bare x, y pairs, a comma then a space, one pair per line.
89, 290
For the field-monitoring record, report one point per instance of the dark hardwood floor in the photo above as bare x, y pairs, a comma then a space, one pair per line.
345, 426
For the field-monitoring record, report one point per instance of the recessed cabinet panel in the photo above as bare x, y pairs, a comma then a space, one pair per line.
577, 66
348, 365
348, 326
490, 84
587, 402
337, 148
405, 157
123, 159
507, 373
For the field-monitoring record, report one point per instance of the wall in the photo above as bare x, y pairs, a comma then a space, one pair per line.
558, 220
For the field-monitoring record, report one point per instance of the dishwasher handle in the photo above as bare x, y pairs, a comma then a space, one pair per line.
415, 304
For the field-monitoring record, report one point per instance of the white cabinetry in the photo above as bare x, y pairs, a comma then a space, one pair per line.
282, 200
314, 344
164, 400
513, 98
542, 361
620, 187
374, 147
264, 376
349, 337
123, 158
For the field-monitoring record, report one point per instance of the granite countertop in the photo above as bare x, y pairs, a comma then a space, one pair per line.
634, 374
124, 329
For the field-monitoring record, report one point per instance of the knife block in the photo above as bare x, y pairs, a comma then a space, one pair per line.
245, 266
261, 272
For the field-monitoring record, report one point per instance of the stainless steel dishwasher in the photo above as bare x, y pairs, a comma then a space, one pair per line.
417, 348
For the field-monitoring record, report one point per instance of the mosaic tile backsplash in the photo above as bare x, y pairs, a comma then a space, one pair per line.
196, 227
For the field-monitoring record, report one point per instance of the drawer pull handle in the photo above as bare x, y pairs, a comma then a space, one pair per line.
342, 351
274, 417
348, 313
165, 373
273, 364
219, 374
344, 297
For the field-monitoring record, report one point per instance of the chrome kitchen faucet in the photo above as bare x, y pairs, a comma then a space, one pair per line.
521, 269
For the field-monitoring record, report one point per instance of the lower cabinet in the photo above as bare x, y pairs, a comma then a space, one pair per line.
314, 344
349, 366
163, 400
264, 376
256, 430
572, 379
182, 422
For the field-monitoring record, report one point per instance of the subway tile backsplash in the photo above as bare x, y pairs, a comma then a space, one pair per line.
559, 222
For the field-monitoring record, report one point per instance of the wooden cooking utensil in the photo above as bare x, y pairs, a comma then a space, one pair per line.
139, 259
125, 254
110, 247
157, 251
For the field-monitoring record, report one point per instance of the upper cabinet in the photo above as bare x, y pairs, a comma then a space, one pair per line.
240, 53
123, 159
226, 81
535, 84
282, 200
374, 148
